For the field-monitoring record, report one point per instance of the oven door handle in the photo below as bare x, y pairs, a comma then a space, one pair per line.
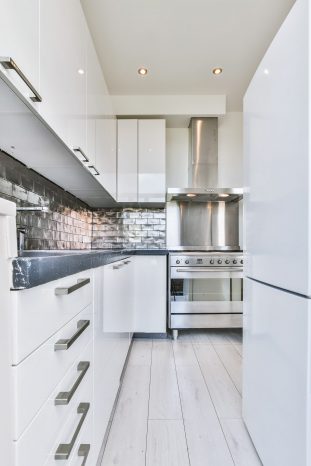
210, 269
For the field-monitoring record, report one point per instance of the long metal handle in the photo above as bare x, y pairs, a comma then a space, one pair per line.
9, 64
78, 149
63, 398
209, 269
70, 289
95, 169
84, 450
64, 449
65, 344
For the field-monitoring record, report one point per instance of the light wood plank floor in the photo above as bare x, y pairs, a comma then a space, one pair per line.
180, 404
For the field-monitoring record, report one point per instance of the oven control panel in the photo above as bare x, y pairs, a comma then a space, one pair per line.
207, 260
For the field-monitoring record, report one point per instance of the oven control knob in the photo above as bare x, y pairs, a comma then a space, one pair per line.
227, 261
187, 262
211, 261
241, 261
177, 262
220, 261
235, 261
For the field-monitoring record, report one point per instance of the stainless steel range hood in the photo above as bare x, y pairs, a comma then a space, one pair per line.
203, 181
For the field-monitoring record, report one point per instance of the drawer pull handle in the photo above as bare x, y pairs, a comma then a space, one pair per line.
64, 449
84, 450
63, 398
9, 64
92, 167
70, 289
78, 149
65, 344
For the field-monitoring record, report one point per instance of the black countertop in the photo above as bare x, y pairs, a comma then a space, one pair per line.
33, 268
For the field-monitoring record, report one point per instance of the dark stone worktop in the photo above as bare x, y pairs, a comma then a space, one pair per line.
33, 268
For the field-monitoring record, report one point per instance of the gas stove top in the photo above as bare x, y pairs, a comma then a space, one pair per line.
207, 259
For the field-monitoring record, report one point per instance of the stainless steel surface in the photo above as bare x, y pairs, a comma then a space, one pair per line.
64, 449
92, 167
83, 451
9, 64
203, 156
63, 398
68, 290
32, 209
21, 234
203, 226
64, 344
185, 321
78, 149
206, 307
204, 194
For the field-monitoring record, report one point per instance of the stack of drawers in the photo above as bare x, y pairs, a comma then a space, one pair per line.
52, 357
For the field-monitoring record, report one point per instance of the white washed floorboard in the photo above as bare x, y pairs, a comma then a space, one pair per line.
184, 353
141, 353
232, 361
166, 443
225, 396
240, 444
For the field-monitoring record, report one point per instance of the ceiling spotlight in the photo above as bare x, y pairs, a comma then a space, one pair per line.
223, 195
80, 71
191, 195
142, 71
217, 71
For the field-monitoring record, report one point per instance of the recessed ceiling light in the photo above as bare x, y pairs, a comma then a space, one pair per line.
80, 71
142, 71
223, 195
217, 71
266, 71
191, 195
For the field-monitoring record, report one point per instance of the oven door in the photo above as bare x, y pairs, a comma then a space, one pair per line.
206, 290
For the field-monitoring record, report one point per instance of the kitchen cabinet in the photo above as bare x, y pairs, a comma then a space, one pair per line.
127, 160
106, 153
63, 70
150, 300
141, 161
19, 40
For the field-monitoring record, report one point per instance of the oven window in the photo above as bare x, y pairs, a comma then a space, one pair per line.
206, 289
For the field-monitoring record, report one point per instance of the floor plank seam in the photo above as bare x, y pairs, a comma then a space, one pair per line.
181, 406
214, 403
150, 375
224, 365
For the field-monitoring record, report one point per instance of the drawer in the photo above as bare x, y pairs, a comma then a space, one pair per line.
54, 424
37, 376
39, 312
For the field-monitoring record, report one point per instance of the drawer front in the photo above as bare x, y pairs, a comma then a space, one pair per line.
37, 376
39, 312
55, 424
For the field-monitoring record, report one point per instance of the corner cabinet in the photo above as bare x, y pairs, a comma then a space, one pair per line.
141, 160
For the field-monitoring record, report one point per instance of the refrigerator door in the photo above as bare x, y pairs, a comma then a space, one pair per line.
277, 171
276, 377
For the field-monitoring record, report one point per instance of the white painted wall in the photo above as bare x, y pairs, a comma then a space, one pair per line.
230, 153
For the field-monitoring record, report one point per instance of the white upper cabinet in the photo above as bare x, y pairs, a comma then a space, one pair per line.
19, 40
127, 161
63, 70
106, 154
151, 161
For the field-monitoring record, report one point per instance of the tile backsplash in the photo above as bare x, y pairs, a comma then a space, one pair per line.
70, 223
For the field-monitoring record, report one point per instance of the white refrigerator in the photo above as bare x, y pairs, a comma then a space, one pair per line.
277, 304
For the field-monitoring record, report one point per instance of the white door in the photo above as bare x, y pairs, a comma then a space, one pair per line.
63, 70
151, 160
19, 40
127, 160
106, 154
276, 132
276, 373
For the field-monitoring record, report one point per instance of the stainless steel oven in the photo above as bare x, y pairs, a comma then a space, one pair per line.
206, 290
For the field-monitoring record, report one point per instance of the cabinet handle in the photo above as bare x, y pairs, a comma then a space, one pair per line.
117, 267
64, 449
63, 398
9, 64
78, 149
65, 344
70, 289
95, 169
127, 262
84, 450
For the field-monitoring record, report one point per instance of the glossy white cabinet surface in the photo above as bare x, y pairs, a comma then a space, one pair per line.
19, 39
277, 173
150, 294
151, 161
127, 160
106, 153
63, 69
276, 385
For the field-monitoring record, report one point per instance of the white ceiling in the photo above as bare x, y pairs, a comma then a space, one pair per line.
180, 41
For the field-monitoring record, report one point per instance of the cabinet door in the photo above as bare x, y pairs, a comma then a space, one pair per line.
106, 154
127, 161
19, 39
151, 160
63, 69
